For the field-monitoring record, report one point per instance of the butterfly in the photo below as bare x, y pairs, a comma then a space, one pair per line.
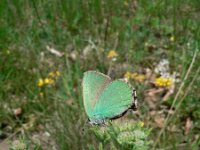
105, 99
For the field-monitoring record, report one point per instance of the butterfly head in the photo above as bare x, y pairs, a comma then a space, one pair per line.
96, 120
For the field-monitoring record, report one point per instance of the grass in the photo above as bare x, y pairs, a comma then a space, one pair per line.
141, 32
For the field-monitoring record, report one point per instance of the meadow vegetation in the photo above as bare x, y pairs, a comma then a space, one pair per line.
46, 46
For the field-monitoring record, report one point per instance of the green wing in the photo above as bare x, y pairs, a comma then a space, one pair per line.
93, 84
114, 100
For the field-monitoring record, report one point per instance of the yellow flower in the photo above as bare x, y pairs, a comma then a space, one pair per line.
172, 38
40, 82
141, 124
57, 73
134, 75
54, 74
138, 77
112, 54
51, 81
51, 74
127, 75
163, 82
48, 81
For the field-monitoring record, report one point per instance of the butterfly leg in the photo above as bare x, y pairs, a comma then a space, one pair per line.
104, 123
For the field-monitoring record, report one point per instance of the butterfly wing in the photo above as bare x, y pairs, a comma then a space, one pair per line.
93, 85
114, 100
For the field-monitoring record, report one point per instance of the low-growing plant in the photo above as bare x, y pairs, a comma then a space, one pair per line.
122, 135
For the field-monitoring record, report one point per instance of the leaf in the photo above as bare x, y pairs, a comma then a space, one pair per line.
188, 126
87, 50
159, 121
151, 97
17, 111
54, 51
73, 55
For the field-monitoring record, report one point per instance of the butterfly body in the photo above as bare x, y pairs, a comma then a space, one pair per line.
105, 99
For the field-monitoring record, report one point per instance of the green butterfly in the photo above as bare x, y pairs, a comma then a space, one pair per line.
105, 99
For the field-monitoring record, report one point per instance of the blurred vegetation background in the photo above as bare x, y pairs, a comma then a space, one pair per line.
46, 46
